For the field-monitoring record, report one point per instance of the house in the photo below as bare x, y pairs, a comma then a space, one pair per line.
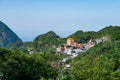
76, 45
74, 55
31, 51
60, 49
68, 51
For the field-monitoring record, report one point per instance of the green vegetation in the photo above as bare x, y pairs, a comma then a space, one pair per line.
111, 31
19, 66
101, 62
50, 38
45, 42
7, 36
82, 37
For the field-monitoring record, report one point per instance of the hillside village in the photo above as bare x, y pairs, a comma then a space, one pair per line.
71, 49
80, 56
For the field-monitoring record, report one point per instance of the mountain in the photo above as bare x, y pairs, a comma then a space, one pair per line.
52, 39
7, 36
82, 37
50, 34
49, 38
101, 61
113, 32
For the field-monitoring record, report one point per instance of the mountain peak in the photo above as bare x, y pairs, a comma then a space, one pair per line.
7, 36
49, 34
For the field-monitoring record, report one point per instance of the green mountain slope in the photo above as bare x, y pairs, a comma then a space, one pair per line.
82, 37
50, 38
7, 36
113, 32
101, 62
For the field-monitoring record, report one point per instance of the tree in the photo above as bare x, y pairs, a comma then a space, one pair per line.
92, 68
27, 67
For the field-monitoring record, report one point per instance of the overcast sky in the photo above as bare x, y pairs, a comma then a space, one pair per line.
30, 18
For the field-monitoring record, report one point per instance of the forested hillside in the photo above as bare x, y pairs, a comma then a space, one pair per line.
101, 62
49, 38
48, 41
113, 32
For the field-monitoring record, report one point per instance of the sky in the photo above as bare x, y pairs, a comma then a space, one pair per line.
30, 18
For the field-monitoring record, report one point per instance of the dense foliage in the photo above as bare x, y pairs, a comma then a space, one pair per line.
19, 66
111, 31
82, 37
101, 62
49, 38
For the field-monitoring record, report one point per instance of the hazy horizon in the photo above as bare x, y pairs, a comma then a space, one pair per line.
30, 18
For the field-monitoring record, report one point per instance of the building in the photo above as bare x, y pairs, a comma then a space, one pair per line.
70, 41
